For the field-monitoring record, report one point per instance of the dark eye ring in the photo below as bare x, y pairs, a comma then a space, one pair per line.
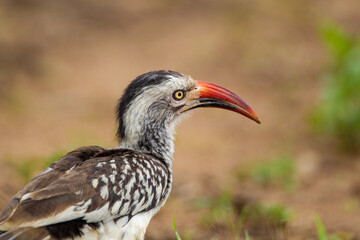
178, 95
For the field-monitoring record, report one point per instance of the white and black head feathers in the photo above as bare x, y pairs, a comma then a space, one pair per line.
136, 88
147, 110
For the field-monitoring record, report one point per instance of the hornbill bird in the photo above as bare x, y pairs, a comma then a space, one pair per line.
98, 193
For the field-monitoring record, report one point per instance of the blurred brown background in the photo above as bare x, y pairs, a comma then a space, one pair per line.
64, 64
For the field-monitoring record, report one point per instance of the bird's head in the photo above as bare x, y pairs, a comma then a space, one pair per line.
154, 101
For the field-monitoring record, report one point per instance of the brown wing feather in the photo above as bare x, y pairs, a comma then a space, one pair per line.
40, 187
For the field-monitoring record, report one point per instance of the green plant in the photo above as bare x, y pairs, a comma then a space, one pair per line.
24, 168
247, 237
219, 207
176, 233
260, 216
321, 231
274, 215
279, 171
28, 167
221, 212
351, 204
53, 157
338, 113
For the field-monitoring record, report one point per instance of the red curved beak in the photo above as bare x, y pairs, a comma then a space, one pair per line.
211, 95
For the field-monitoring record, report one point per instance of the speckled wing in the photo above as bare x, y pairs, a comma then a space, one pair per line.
91, 184
46, 178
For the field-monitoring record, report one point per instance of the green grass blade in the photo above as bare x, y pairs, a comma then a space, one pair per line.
320, 228
176, 233
247, 237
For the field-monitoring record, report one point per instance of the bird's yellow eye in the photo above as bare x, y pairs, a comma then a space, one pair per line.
178, 95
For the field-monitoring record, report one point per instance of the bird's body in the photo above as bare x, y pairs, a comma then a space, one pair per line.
97, 193
117, 191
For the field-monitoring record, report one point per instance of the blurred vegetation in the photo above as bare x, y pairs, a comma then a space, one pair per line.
278, 171
220, 208
322, 234
338, 113
27, 168
258, 218
351, 204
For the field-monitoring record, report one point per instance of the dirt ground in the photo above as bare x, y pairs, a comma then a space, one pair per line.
65, 63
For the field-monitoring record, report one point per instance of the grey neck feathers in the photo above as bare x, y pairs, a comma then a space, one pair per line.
151, 133
156, 139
